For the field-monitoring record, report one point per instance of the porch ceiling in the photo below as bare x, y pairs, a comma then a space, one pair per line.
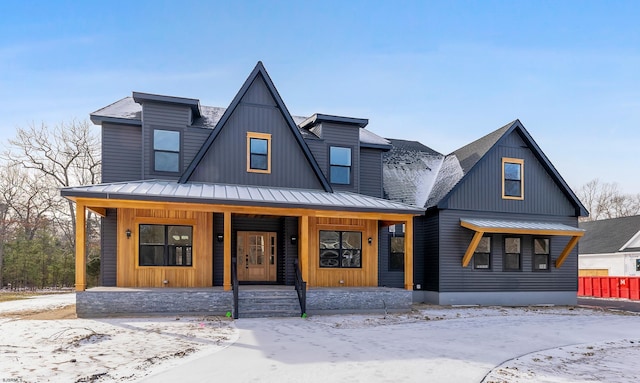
238, 195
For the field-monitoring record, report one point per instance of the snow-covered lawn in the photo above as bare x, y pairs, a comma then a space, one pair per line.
436, 344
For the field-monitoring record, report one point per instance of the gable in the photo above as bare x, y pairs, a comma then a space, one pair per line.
481, 187
256, 109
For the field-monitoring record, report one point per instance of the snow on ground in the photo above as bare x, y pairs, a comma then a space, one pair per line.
432, 343
40, 302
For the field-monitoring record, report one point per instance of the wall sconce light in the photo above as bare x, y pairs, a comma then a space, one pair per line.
294, 239
369, 240
220, 237
128, 233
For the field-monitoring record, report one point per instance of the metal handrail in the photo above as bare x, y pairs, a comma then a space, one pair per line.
234, 284
301, 288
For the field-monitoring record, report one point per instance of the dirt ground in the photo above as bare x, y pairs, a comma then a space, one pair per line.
67, 312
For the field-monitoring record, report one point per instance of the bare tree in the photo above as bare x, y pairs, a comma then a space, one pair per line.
605, 200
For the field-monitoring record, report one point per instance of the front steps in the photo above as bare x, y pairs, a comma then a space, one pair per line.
263, 303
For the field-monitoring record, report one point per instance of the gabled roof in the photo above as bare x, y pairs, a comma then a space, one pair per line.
469, 155
238, 195
609, 236
259, 70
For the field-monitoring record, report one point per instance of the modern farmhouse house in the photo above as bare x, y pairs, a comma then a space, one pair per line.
208, 209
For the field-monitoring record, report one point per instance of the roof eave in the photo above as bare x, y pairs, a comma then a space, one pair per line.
99, 120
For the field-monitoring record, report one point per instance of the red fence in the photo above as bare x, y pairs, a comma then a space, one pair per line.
609, 287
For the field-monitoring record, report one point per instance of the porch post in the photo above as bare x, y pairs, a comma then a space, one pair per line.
81, 246
227, 251
408, 254
304, 248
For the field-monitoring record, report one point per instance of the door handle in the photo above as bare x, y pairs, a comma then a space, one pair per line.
246, 264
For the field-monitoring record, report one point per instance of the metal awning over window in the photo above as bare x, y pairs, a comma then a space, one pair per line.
498, 226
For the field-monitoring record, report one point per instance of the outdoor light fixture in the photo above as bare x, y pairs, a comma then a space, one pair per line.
294, 239
128, 233
369, 240
220, 237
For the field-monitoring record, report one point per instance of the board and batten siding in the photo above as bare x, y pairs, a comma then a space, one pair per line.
454, 240
108, 247
481, 189
226, 159
371, 172
121, 152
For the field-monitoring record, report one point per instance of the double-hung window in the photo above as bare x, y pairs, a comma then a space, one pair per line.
541, 253
166, 150
396, 257
512, 253
165, 245
258, 152
482, 255
340, 165
512, 178
340, 249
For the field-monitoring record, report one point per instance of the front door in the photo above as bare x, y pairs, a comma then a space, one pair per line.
257, 259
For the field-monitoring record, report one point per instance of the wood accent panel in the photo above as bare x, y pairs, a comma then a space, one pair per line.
81, 246
408, 255
130, 274
227, 251
593, 272
367, 275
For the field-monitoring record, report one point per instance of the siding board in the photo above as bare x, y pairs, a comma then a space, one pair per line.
121, 154
371, 172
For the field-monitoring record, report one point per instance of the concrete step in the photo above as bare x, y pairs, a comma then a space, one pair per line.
268, 303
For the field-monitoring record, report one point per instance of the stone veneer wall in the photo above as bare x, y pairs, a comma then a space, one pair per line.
355, 300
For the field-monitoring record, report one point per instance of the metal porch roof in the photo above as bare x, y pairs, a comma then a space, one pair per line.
514, 226
226, 194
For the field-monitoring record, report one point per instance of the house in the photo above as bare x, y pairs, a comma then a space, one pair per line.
198, 203
500, 226
610, 247
187, 189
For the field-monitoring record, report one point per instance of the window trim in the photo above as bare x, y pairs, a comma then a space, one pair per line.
517, 161
350, 166
261, 136
490, 254
340, 250
154, 151
533, 255
504, 254
394, 235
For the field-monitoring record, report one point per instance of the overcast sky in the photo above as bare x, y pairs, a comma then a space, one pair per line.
441, 72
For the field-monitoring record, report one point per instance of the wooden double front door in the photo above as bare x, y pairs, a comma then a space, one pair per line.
256, 252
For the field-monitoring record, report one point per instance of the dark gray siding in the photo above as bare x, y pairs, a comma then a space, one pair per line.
192, 142
109, 244
386, 277
121, 148
320, 152
426, 245
289, 250
157, 115
218, 250
455, 239
226, 159
345, 136
371, 172
482, 187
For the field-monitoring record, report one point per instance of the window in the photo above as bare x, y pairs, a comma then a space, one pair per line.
512, 178
166, 150
165, 245
512, 253
396, 257
340, 165
258, 152
482, 255
541, 254
340, 249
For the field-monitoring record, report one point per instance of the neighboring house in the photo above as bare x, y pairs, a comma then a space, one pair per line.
501, 224
188, 188
610, 247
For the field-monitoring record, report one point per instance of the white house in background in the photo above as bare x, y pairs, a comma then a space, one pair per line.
610, 247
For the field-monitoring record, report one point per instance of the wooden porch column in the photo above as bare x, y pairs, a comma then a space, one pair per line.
304, 248
408, 254
81, 248
227, 251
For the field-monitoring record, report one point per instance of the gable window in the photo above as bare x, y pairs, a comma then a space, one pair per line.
258, 152
340, 165
396, 256
541, 252
340, 249
165, 245
166, 150
512, 178
482, 255
512, 253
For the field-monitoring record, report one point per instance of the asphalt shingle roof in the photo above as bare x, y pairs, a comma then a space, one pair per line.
608, 235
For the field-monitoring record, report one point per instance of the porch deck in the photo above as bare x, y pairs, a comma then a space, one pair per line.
118, 301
